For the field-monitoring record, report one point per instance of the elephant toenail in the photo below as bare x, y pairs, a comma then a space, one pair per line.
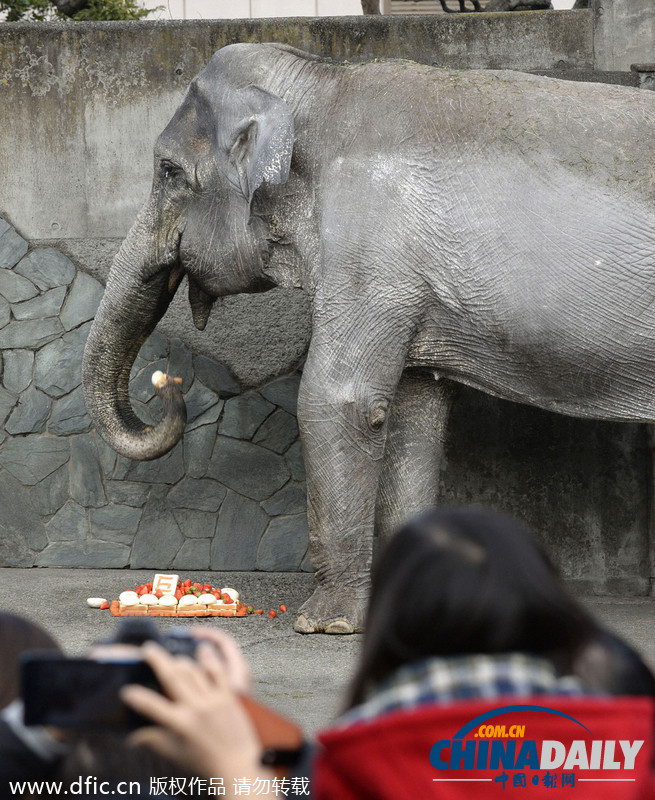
301, 625
339, 627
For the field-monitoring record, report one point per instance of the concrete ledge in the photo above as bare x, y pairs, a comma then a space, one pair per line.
85, 101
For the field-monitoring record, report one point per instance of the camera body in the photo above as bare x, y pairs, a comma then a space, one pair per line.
136, 631
82, 693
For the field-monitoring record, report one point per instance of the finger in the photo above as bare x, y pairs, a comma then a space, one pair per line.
213, 665
221, 639
151, 704
178, 676
237, 668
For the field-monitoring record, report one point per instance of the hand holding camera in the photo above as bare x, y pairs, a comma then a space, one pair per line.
200, 720
83, 693
186, 697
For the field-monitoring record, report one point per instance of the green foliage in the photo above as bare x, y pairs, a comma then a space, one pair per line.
111, 9
44, 10
15, 10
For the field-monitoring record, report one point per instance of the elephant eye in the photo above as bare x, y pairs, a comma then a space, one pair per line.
170, 171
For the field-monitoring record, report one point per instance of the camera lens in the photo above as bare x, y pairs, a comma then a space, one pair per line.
136, 631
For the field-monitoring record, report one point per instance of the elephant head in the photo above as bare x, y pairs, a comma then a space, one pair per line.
223, 143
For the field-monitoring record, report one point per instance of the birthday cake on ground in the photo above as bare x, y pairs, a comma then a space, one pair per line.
168, 596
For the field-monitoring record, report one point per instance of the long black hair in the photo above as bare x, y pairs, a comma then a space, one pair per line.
464, 581
18, 635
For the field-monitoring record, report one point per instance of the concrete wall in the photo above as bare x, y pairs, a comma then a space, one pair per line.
81, 106
231, 495
624, 33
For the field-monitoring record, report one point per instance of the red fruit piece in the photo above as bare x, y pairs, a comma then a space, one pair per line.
272, 613
104, 605
226, 598
258, 611
159, 593
283, 608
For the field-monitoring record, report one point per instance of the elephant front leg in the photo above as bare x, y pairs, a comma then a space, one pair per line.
344, 400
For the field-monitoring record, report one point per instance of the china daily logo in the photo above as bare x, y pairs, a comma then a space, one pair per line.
486, 750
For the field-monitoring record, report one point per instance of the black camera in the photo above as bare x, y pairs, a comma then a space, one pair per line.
136, 631
82, 693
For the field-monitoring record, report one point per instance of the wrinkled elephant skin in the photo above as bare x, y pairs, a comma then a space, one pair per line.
491, 228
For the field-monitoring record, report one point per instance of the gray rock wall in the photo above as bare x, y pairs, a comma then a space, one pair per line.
230, 496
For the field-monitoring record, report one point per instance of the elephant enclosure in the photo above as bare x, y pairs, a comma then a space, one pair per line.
84, 104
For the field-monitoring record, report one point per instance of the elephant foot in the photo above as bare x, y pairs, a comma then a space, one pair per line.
333, 611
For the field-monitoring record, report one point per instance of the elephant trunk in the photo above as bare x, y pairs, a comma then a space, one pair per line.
139, 290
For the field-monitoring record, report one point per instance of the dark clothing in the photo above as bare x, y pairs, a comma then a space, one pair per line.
32, 755
18, 762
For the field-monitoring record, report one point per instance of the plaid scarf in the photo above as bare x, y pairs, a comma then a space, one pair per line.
446, 680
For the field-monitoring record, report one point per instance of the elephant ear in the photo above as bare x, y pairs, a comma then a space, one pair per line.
262, 142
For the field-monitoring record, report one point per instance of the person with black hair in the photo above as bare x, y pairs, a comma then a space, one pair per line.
466, 614
462, 582
24, 754
17, 636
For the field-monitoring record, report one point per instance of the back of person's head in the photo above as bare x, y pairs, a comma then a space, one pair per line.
18, 635
459, 581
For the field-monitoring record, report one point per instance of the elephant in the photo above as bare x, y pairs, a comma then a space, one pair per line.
491, 228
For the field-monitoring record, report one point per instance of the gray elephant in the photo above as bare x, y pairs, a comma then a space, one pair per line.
491, 228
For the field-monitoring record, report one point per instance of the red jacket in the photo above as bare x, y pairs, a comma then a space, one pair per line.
389, 757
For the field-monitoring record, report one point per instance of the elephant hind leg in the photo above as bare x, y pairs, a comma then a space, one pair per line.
414, 452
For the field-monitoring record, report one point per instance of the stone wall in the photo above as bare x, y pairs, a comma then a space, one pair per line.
230, 496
